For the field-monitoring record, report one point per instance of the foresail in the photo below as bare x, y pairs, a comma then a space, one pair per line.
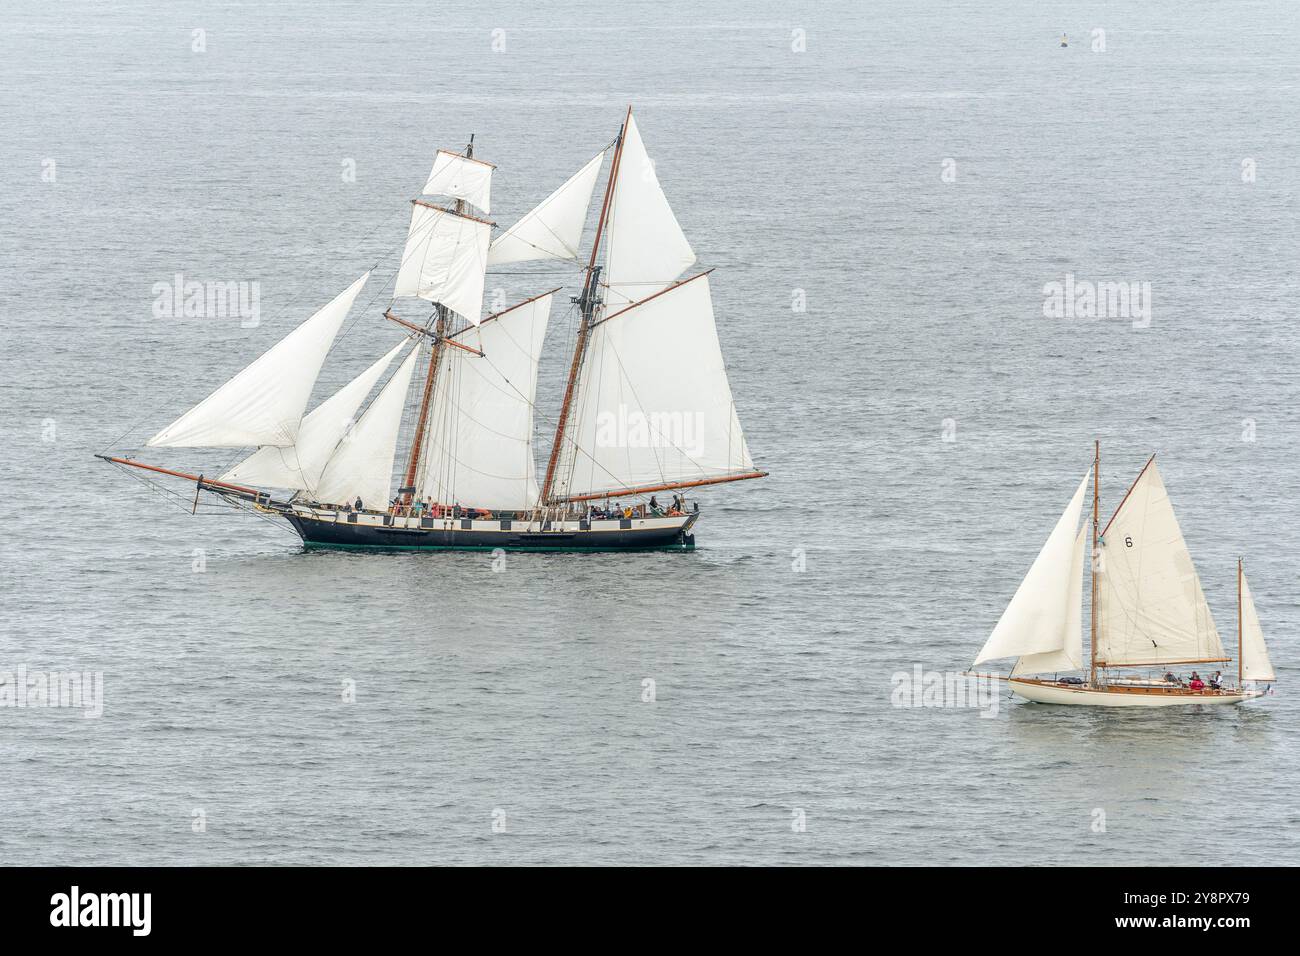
553, 228
1255, 664
647, 249
444, 260
1069, 657
461, 178
479, 448
654, 404
1040, 617
263, 404
300, 465
1153, 610
362, 463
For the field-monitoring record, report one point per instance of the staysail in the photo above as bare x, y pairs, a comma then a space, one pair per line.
1255, 664
1153, 610
654, 404
362, 464
1044, 618
444, 259
263, 404
1069, 657
553, 228
300, 465
461, 177
646, 249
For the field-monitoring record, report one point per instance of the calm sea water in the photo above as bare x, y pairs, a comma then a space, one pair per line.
515, 697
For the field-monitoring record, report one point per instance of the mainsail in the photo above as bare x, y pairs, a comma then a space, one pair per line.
553, 228
654, 404
646, 249
263, 404
362, 464
479, 448
300, 465
1043, 623
444, 259
1152, 608
461, 177
1255, 664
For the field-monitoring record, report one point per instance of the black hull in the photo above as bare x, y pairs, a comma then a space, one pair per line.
317, 533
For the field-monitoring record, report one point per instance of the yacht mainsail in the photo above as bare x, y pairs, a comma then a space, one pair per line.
263, 404
1152, 608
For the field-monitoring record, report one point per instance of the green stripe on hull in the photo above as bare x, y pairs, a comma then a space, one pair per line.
485, 547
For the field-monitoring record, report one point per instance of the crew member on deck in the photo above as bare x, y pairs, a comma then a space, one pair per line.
1196, 682
358, 506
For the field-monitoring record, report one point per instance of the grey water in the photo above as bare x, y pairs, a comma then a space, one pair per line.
885, 189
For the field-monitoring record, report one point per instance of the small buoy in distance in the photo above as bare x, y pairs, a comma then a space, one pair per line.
1064, 41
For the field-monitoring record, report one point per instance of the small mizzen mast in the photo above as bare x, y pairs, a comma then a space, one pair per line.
646, 407
1148, 610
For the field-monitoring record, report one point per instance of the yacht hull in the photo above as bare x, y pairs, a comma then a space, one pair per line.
379, 532
1133, 695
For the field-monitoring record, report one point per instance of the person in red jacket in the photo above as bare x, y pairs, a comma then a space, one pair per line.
1196, 682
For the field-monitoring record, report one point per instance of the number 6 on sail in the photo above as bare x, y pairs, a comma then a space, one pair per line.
1148, 611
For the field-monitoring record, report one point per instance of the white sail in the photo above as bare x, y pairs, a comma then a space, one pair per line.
654, 405
646, 249
553, 229
263, 404
300, 465
1069, 657
1153, 610
1255, 664
479, 449
461, 178
362, 464
444, 260
1039, 618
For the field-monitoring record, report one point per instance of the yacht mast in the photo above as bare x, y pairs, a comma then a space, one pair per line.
1241, 667
1096, 518
435, 359
587, 304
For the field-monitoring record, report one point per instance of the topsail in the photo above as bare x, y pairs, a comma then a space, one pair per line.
552, 229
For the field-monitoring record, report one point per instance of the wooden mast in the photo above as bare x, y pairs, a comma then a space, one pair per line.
1096, 520
588, 304
435, 359
1241, 663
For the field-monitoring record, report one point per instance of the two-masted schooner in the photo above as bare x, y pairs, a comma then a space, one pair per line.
1148, 611
647, 409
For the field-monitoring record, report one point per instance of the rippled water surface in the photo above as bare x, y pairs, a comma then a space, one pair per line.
516, 697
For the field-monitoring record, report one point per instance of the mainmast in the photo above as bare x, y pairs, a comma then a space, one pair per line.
587, 304
1241, 666
1096, 519
435, 359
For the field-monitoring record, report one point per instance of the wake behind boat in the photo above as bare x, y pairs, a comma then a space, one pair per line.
647, 408
1148, 611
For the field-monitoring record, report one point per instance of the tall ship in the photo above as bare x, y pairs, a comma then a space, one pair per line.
431, 445
1148, 612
